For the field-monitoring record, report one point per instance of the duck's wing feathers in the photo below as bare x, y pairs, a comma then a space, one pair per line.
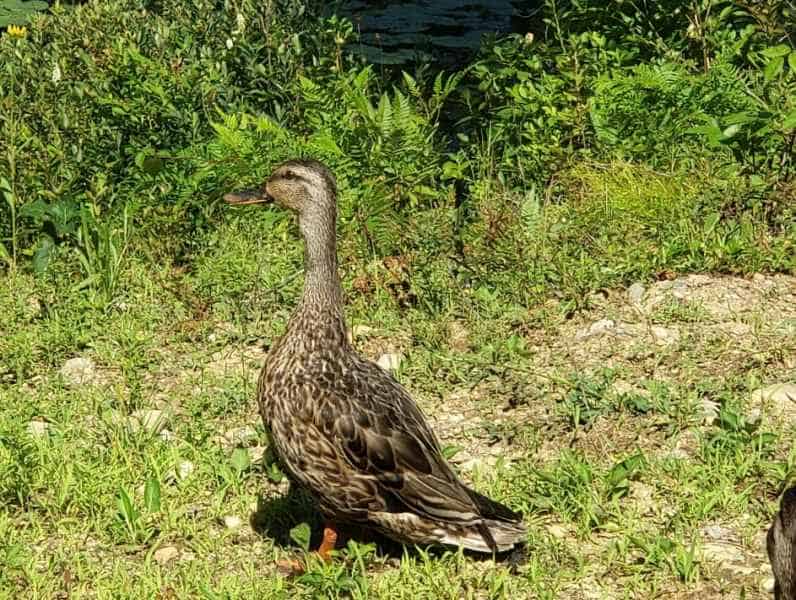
380, 431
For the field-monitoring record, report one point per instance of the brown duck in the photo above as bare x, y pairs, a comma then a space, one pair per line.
343, 427
781, 546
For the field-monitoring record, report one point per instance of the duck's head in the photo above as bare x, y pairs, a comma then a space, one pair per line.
304, 186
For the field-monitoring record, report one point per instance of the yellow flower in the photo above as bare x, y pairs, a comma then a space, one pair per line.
17, 31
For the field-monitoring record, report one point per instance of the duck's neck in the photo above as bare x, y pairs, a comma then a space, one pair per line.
322, 300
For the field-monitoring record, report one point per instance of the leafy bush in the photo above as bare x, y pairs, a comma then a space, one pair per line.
89, 120
125, 141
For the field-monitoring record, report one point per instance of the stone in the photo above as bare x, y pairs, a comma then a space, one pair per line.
767, 585
78, 371
635, 293
166, 554
184, 469
597, 328
719, 533
778, 393
232, 522
38, 428
152, 421
362, 331
642, 495
557, 530
778, 399
458, 336
663, 335
240, 436
256, 453
390, 361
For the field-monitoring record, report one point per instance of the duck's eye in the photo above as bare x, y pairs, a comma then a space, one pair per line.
290, 175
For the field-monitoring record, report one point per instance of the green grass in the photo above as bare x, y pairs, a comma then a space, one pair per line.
537, 419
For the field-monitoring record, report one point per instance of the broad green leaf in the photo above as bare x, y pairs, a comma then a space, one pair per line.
152, 495
451, 450
790, 120
127, 509
240, 460
777, 51
301, 534
42, 254
774, 67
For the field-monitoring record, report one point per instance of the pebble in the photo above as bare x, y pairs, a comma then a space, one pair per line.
778, 393
390, 361
256, 453
362, 331
240, 436
635, 293
458, 336
597, 328
663, 335
232, 522
767, 585
78, 371
166, 554
184, 469
558, 531
38, 428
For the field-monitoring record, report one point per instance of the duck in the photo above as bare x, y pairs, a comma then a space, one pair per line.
781, 547
342, 427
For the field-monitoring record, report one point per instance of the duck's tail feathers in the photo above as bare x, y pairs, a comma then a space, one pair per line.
499, 529
488, 536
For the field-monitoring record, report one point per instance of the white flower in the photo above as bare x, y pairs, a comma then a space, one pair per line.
56, 76
229, 44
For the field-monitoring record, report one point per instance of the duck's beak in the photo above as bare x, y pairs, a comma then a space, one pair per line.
254, 196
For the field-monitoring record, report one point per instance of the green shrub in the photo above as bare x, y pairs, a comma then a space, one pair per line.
93, 119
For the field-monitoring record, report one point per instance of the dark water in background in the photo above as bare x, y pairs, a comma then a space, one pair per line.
444, 32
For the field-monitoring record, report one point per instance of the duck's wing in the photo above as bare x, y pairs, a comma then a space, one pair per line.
378, 429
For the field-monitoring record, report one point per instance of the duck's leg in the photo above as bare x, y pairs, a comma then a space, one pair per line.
329, 541
293, 567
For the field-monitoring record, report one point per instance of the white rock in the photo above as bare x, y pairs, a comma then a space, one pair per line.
767, 585
557, 530
166, 554
727, 555
240, 436
184, 469
232, 522
778, 393
38, 428
635, 293
256, 453
362, 331
78, 371
153, 421
719, 533
663, 335
597, 328
390, 361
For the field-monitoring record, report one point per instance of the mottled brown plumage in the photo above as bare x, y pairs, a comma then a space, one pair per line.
342, 426
781, 546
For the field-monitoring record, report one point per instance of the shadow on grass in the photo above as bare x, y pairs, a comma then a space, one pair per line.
275, 517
